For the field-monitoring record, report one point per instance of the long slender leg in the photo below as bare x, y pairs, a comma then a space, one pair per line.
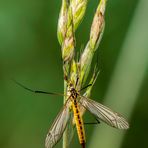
98, 122
36, 91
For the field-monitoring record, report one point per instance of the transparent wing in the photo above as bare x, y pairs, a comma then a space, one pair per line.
58, 126
104, 113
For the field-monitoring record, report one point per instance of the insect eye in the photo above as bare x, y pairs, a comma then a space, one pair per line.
70, 85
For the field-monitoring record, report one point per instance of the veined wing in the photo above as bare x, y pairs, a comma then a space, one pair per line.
104, 113
58, 126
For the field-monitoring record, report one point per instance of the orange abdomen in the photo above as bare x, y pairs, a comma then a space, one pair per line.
79, 123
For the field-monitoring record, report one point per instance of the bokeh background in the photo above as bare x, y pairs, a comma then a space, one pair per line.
30, 53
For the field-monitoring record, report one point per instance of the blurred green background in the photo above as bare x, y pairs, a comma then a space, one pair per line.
30, 53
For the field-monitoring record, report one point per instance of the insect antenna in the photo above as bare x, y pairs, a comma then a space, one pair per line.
77, 81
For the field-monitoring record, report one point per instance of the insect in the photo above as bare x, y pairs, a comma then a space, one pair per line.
75, 99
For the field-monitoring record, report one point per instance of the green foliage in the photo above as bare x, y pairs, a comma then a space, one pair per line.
30, 53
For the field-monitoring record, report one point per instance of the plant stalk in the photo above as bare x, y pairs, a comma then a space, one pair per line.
65, 135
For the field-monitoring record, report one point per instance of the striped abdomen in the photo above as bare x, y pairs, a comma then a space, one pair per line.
79, 123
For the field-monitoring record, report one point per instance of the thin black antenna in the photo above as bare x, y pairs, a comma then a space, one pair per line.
77, 81
36, 91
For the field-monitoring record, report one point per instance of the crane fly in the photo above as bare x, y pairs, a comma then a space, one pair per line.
100, 111
75, 100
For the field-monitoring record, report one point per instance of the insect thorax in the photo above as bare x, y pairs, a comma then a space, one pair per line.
72, 92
